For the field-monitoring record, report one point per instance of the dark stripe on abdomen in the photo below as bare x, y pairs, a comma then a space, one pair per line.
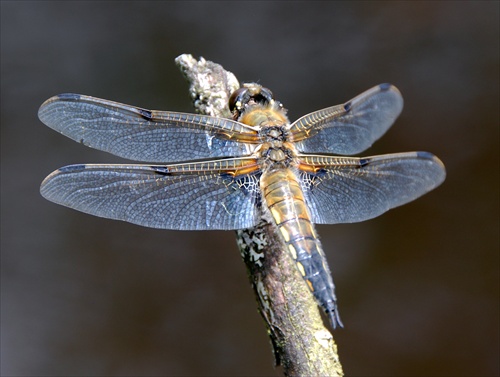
285, 200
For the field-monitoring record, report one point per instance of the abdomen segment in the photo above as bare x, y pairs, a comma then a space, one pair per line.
285, 200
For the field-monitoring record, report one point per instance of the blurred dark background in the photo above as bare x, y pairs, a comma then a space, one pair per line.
418, 287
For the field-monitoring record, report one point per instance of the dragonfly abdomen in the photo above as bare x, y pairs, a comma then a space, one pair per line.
286, 203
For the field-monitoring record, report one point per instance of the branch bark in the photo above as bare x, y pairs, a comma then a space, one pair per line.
301, 342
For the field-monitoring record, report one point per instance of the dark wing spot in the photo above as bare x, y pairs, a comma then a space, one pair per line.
162, 170
363, 162
321, 173
69, 168
69, 96
425, 155
146, 114
347, 106
385, 86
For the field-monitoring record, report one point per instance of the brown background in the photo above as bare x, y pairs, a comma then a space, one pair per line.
418, 287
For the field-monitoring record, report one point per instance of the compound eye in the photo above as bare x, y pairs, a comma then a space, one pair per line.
237, 98
266, 94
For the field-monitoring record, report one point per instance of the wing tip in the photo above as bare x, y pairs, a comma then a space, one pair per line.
63, 97
385, 86
68, 97
429, 156
65, 169
45, 185
438, 164
426, 155
388, 87
69, 168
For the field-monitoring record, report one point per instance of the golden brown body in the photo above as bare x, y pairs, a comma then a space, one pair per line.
284, 199
207, 173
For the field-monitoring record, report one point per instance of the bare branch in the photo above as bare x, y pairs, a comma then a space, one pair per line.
301, 342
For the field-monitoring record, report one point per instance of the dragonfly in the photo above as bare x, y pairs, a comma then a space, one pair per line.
201, 172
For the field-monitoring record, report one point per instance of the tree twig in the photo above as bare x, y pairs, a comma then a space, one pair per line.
301, 342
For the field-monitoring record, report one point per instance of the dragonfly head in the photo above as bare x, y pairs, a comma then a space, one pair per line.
250, 95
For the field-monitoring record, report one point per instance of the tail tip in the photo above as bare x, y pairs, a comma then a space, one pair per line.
335, 320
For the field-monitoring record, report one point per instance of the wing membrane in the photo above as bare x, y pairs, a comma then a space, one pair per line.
178, 197
348, 189
352, 127
144, 135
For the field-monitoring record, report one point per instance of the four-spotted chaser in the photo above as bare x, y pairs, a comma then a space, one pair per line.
239, 170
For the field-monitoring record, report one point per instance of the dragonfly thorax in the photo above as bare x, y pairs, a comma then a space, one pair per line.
276, 157
277, 153
275, 135
265, 116
270, 119
276, 150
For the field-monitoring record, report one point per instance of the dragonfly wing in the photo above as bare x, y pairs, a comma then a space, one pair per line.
144, 135
348, 189
352, 127
151, 196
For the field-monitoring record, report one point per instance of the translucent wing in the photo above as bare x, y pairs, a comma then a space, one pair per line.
348, 189
145, 135
352, 127
169, 197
